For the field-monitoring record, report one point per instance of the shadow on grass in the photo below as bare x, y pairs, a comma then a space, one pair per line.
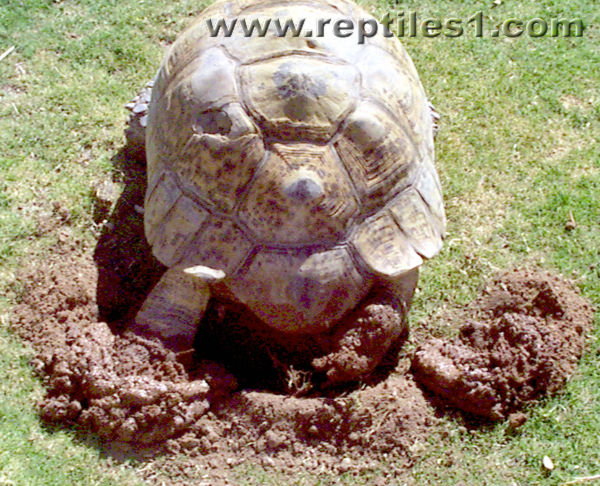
127, 270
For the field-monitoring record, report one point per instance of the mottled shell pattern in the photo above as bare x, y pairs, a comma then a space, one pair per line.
309, 155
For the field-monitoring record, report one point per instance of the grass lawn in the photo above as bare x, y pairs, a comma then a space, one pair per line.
518, 156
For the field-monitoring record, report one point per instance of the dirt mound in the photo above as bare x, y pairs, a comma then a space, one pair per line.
130, 389
122, 387
522, 338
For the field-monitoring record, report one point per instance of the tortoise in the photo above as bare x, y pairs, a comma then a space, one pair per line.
293, 175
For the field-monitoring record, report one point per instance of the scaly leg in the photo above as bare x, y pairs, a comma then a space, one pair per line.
173, 310
363, 337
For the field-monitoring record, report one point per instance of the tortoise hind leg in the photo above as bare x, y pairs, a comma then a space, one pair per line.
362, 338
173, 310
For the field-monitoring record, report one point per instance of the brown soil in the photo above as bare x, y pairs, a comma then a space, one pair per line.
129, 389
524, 340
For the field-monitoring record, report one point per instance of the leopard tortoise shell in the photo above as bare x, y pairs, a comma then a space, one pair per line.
292, 174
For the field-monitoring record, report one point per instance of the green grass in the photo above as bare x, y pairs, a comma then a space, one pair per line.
31, 454
518, 152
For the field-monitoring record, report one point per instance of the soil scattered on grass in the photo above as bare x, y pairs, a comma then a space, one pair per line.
524, 342
522, 338
130, 389
247, 397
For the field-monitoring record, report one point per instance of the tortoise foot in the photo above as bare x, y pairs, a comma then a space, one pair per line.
360, 341
173, 310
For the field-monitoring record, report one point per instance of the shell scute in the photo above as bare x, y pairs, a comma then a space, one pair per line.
217, 168
378, 154
211, 78
220, 244
383, 247
296, 97
415, 220
392, 83
276, 216
161, 197
177, 229
315, 290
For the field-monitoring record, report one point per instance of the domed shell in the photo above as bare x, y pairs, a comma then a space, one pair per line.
268, 143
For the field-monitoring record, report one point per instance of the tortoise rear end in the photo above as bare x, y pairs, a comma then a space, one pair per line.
297, 173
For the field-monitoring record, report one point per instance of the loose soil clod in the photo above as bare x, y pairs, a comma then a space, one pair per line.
524, 340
